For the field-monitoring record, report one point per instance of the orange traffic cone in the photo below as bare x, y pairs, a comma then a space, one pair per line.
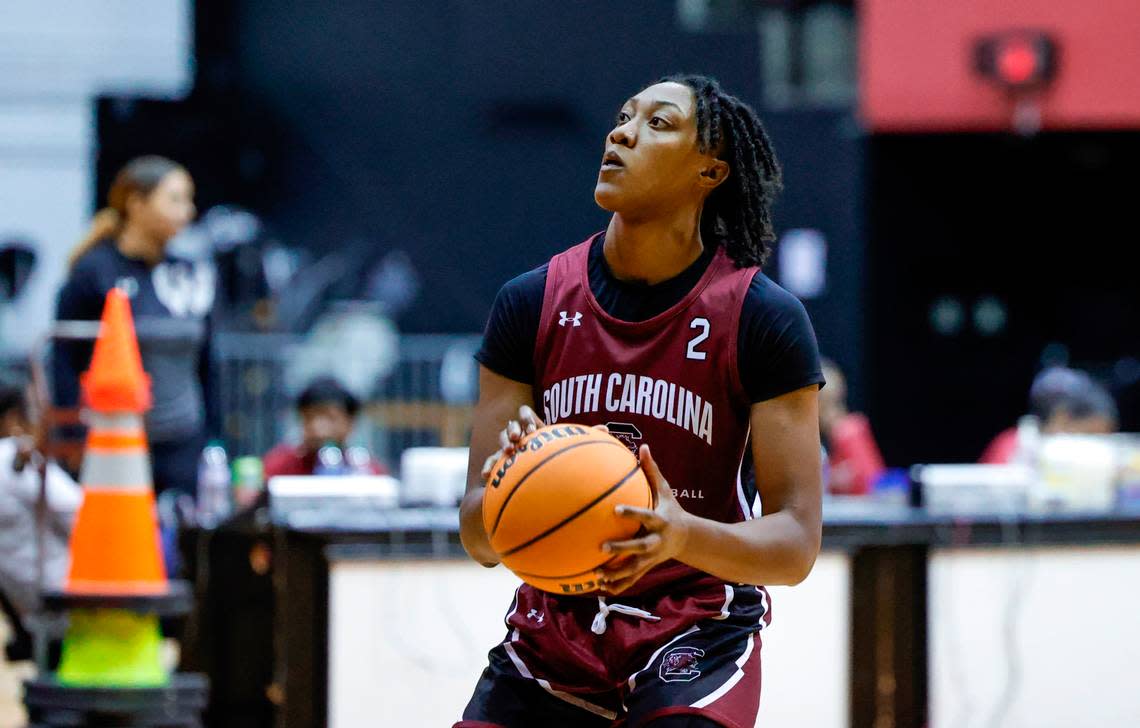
115, 546
111, 663
117, 583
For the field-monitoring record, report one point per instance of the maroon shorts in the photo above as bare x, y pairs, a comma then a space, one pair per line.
569, 661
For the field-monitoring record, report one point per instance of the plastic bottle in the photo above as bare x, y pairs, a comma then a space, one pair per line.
215, 502
1028, 449
249, 480
330, 460
359, 460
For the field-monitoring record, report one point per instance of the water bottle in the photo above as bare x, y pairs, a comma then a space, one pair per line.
330, 460
249, 480
214, 500
359, 460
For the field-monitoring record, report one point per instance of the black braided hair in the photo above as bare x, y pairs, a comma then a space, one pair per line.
738, 213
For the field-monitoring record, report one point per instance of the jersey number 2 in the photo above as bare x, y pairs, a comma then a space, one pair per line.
703, 325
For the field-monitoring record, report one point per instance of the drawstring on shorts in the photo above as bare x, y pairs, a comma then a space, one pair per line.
599, 625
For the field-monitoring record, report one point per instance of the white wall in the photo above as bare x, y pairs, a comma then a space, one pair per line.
56, 56
407, 641
1056, 631
45, 191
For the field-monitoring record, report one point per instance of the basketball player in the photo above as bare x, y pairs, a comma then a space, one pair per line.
667, 303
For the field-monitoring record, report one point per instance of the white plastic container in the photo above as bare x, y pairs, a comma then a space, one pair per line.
433, 476
1078, 471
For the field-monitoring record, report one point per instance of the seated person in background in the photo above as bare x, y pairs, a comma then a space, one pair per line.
1064, 401
19, 491
328, 413
854, 461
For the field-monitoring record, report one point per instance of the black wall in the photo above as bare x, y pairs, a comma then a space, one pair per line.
1044, 226
469, 134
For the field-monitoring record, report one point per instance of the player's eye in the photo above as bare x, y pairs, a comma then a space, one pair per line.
623, 117
658, 123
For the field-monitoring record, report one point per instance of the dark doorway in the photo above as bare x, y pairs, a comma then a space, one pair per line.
989, 254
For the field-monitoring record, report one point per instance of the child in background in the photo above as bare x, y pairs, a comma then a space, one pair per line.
19, 492
328, 415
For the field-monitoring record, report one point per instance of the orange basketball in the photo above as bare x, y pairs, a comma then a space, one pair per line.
549, 507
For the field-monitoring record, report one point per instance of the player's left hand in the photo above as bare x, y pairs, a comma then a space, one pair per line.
667, 531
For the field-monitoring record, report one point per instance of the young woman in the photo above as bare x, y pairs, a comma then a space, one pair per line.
669, 296
150, 200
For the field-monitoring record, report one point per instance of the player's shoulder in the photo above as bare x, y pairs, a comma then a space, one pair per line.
767, 298
526, 286
530, 287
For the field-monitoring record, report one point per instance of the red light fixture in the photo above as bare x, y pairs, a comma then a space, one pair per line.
1017, 60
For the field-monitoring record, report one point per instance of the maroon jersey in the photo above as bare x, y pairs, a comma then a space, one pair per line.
671, 382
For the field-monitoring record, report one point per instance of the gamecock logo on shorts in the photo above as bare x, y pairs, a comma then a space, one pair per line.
680, 664
627, 433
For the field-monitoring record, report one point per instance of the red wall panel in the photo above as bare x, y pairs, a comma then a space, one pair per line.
916, 64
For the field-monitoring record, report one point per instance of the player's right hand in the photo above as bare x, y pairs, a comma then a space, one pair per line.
510, 436
513, 433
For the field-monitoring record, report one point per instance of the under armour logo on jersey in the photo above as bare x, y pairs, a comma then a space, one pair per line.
536, 615
575, 320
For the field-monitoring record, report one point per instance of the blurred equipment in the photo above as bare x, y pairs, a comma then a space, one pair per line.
975, 488
111, 661
1079, 471
1022, 63
1017, 60
929, 66
234, 240
1061, 472
433, 475
354, 342
394, 283
319, 499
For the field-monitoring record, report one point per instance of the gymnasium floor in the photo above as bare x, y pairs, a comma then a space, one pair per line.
11, 675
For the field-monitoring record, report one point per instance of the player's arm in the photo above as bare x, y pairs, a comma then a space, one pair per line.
779, 547
500, 401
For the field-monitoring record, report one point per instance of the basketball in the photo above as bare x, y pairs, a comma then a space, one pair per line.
549, 507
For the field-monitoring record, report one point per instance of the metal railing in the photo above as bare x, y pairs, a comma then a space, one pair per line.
423, 398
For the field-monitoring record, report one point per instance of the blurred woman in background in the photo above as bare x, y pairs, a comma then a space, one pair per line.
854, 460
151, 199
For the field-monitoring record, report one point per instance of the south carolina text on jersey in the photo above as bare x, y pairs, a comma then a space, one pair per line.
632, 393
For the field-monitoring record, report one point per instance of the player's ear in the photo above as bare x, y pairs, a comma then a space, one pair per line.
713, 173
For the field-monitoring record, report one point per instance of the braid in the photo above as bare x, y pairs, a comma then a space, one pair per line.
738, 213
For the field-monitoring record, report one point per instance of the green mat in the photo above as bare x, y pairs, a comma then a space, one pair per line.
112, 648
